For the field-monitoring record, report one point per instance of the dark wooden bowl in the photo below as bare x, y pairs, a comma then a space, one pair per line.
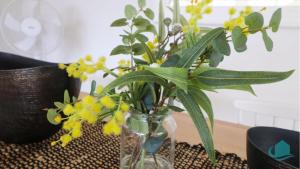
262, 141
28, 86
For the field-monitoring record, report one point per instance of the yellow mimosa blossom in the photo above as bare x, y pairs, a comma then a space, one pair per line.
68, 125
62, 66
83, 78
208, 10
65, 139
107, 102
248, 10
91, 70
119, 116
88, 100
68, 110
99, 89
88, 58
232, 11
76, 132
124, 107
58, 119
112, 127
90, 117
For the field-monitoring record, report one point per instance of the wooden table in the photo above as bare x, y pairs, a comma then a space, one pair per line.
228, 137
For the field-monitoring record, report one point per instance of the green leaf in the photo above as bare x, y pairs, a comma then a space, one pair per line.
161, 26
142, 3
51, 114
140, 62
130, 11
142, 38
195, 112
178, 76
138, 49
175, 108
141, 22
119, 22
93, 87
149, 13
121, 49
66, 97
190, 55
219, 77
171, 61
149, 53
239, 39
221, 45
215, 58
202, 99
137, 124
267, 40
167, 21
255, 22
59, 105
138, 76
176, 13
153, 144
275, 20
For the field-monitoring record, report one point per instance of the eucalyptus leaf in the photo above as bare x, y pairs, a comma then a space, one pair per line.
255, 22
51, 114
239, 39
149, 13
221, 45
59, 105
142, 38
220, 77
142, 3
275, 20
190, 55
119, 23
137, 125
138, 49
66, 97
215, 58
130, 11
121, 49
267, 40
178, 76
195, 112
141, 22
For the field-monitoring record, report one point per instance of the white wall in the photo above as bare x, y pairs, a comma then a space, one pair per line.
87, 31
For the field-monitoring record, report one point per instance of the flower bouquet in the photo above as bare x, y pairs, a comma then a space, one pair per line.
174, 60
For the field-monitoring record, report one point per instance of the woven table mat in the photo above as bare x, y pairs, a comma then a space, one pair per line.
94, 150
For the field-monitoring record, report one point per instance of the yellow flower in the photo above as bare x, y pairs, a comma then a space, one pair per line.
78, 106
150, 45
208, 10
107, 102
88, 100
91, 70
232, 11
65, 139
53, 143
99, 89
248, 10
124, 107
96, 107
83, 78
58, 119
68, 110
88, 58
112, 127
208, 1
62, 66
68, 125
76, 132
90, 117
119, 116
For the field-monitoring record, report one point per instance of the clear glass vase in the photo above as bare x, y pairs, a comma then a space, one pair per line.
148, 142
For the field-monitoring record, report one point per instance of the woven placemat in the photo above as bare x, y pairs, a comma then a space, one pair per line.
94, 150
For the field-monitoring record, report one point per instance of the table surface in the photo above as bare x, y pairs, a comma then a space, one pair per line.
228, 137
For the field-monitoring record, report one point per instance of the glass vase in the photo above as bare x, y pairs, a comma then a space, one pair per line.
148, 141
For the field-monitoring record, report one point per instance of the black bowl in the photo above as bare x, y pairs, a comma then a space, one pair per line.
28, 86
272, 148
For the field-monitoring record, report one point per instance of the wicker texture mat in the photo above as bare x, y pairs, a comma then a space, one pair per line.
94, 150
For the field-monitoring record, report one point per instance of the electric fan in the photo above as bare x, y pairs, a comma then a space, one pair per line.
31, 27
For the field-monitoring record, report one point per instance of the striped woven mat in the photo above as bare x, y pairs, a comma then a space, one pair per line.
96, 151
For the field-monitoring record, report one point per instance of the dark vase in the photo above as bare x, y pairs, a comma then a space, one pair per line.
28, 86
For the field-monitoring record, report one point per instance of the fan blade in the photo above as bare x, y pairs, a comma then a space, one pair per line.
26, 44
12, 23
29, 7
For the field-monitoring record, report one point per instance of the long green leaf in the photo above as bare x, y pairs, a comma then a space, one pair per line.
219, 77
275, 20
149, 53
143, 76
195, 112
190, 55
179, 76
202, 99
161, 26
